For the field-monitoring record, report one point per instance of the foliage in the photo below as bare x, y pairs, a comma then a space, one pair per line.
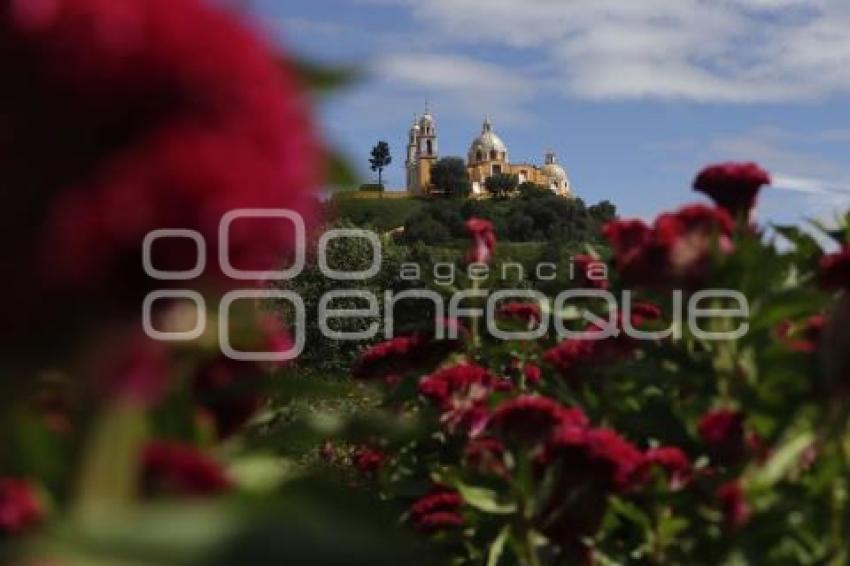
450, 177
371, 188
383, 214
501, 185
380, 159
537, 216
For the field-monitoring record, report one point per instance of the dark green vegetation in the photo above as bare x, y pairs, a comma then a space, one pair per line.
535, 216
450, 177
379, 159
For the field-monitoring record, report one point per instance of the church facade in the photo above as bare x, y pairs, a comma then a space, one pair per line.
487, 156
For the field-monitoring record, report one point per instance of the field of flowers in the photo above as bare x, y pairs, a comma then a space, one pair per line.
458, 447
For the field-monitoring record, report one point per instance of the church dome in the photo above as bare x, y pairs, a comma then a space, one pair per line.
554, 171
486, 143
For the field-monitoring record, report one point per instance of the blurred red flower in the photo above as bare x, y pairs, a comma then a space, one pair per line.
722, 431
675, 250
733, 186
172, 468
531, 419
673, 461
120, 118
589, 272
483, 240
460, 392
20, 507
834, 270
733, 503
369, 461
437, 511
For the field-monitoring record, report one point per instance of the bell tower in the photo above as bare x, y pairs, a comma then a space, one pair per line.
422, 153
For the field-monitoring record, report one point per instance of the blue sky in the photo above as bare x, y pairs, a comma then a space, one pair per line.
633, 96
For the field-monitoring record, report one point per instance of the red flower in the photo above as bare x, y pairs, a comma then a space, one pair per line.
532, 373
804, 339
673, 461
644, 310
733, 503
675, 250
178, 469
20, 507
369, 461
460, 392
483, 240
597, 454
437, 511
722, 430
525, 312
585, 466
120, 118
227, 392
531, 419
733, 186
591, 272
834, 270
573, 354
402, 354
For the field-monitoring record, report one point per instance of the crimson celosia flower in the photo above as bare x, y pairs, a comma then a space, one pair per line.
483, 240
675, 250
172, 468
733, 503
532, 373
733, 186
599, 454
460, 392
584, 465
369, 461
723, 432
574, 354
673, 461
437, 511
834, 270
120, 118
531, 419
591, 273
20, 507
402, 354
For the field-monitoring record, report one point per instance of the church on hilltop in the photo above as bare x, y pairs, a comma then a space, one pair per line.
487, 156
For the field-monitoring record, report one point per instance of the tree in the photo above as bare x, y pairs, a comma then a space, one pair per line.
529, 190
380, 159
501, 184
450, 177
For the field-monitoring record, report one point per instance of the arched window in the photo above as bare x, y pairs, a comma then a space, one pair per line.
430, 147
479, 155
493, 154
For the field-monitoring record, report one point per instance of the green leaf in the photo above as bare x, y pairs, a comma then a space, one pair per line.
483, 499
497, 547
781, 461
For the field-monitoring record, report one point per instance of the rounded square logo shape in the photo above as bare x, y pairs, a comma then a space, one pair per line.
259, 275
180, 336
183, 275
224, 325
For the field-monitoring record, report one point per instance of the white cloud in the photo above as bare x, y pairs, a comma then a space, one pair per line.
458, 85
704, 50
